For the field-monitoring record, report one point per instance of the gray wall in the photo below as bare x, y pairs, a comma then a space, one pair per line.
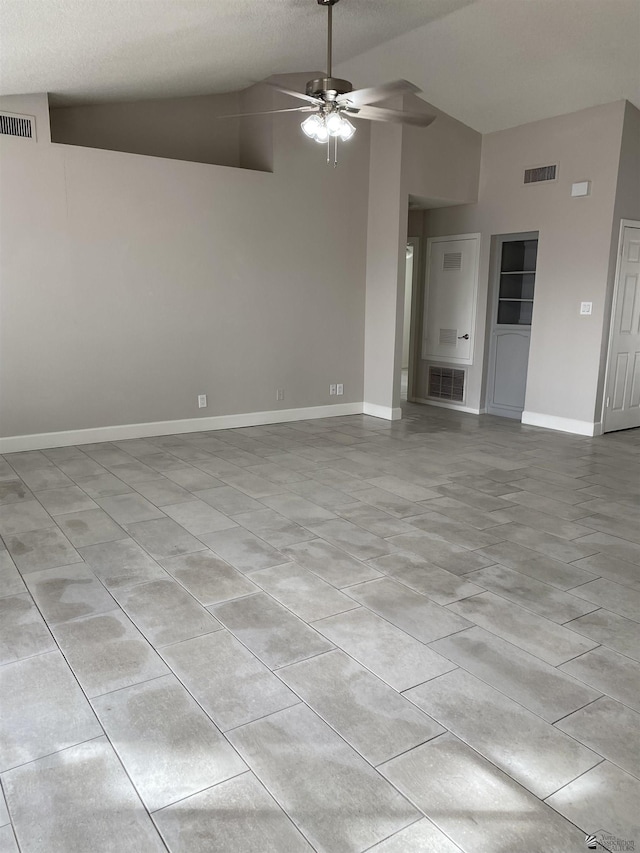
574, 250
131, 284
440, 162
628, 186
179, 128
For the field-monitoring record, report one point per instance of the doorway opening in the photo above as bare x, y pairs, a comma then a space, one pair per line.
513, 278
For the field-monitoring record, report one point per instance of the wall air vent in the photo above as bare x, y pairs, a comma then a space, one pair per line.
452, 261
17, 125
446, 383
539, 174
448, 337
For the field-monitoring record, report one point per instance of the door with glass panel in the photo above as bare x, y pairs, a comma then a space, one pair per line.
514, 278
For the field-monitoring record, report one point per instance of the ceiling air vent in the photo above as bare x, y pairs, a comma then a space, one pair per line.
16, 125
452, 261
539, 174
446, 383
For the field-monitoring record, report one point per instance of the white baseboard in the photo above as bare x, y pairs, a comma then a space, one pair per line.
41, 441
561, 424
385, 412
453, 406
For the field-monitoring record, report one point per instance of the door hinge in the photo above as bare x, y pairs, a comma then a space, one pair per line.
608, 399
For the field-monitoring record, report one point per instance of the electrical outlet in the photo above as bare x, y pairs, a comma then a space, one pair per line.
280, 394
586, 307
202, 401
333, 389
339, 389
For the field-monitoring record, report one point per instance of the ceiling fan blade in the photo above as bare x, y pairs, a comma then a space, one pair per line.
294, 94
400, 116
269, 112
377, 93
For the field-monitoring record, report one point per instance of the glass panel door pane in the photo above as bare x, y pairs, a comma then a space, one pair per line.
512, 313
517, 285
519, 256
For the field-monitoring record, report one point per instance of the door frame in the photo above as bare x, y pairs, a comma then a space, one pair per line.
624, 223
497, 241
414, 326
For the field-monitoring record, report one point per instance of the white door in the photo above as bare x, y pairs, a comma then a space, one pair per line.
450, 298
622, 395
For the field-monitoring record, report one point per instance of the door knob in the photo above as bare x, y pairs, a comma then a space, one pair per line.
463, 337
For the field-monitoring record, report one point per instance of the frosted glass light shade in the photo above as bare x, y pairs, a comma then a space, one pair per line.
334, 123
310, 125
320, 127
347, 130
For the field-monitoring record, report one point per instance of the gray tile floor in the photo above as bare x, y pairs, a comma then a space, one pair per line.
335, 635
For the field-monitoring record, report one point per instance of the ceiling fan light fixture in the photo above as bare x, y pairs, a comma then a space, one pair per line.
333, 100
347, 130
321, 127
322, 134
311, 125
334, 124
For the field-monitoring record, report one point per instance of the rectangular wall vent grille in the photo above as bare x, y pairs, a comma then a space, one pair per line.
15, 125
541, 173
452, 261
449, 337
446, 383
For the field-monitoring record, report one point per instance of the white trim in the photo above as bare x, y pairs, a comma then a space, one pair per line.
441, 405
119, 432
414, 319
561, 424
385, 412
447, 237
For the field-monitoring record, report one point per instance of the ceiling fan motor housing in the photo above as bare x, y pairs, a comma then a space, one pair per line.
328, 88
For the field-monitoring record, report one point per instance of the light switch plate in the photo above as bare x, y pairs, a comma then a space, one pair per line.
586, 307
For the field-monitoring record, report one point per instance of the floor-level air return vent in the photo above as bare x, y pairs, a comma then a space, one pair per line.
539, 174
16, 125
446, 383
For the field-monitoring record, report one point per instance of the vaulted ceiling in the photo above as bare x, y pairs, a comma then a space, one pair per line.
489, 63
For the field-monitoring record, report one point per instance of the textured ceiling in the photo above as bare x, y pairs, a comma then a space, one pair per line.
500, 63
489, 63
87, 51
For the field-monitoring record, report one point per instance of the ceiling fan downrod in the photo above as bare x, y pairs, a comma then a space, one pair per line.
328, 87
329, 34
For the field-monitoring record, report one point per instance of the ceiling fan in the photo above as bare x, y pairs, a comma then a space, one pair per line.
331, 102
